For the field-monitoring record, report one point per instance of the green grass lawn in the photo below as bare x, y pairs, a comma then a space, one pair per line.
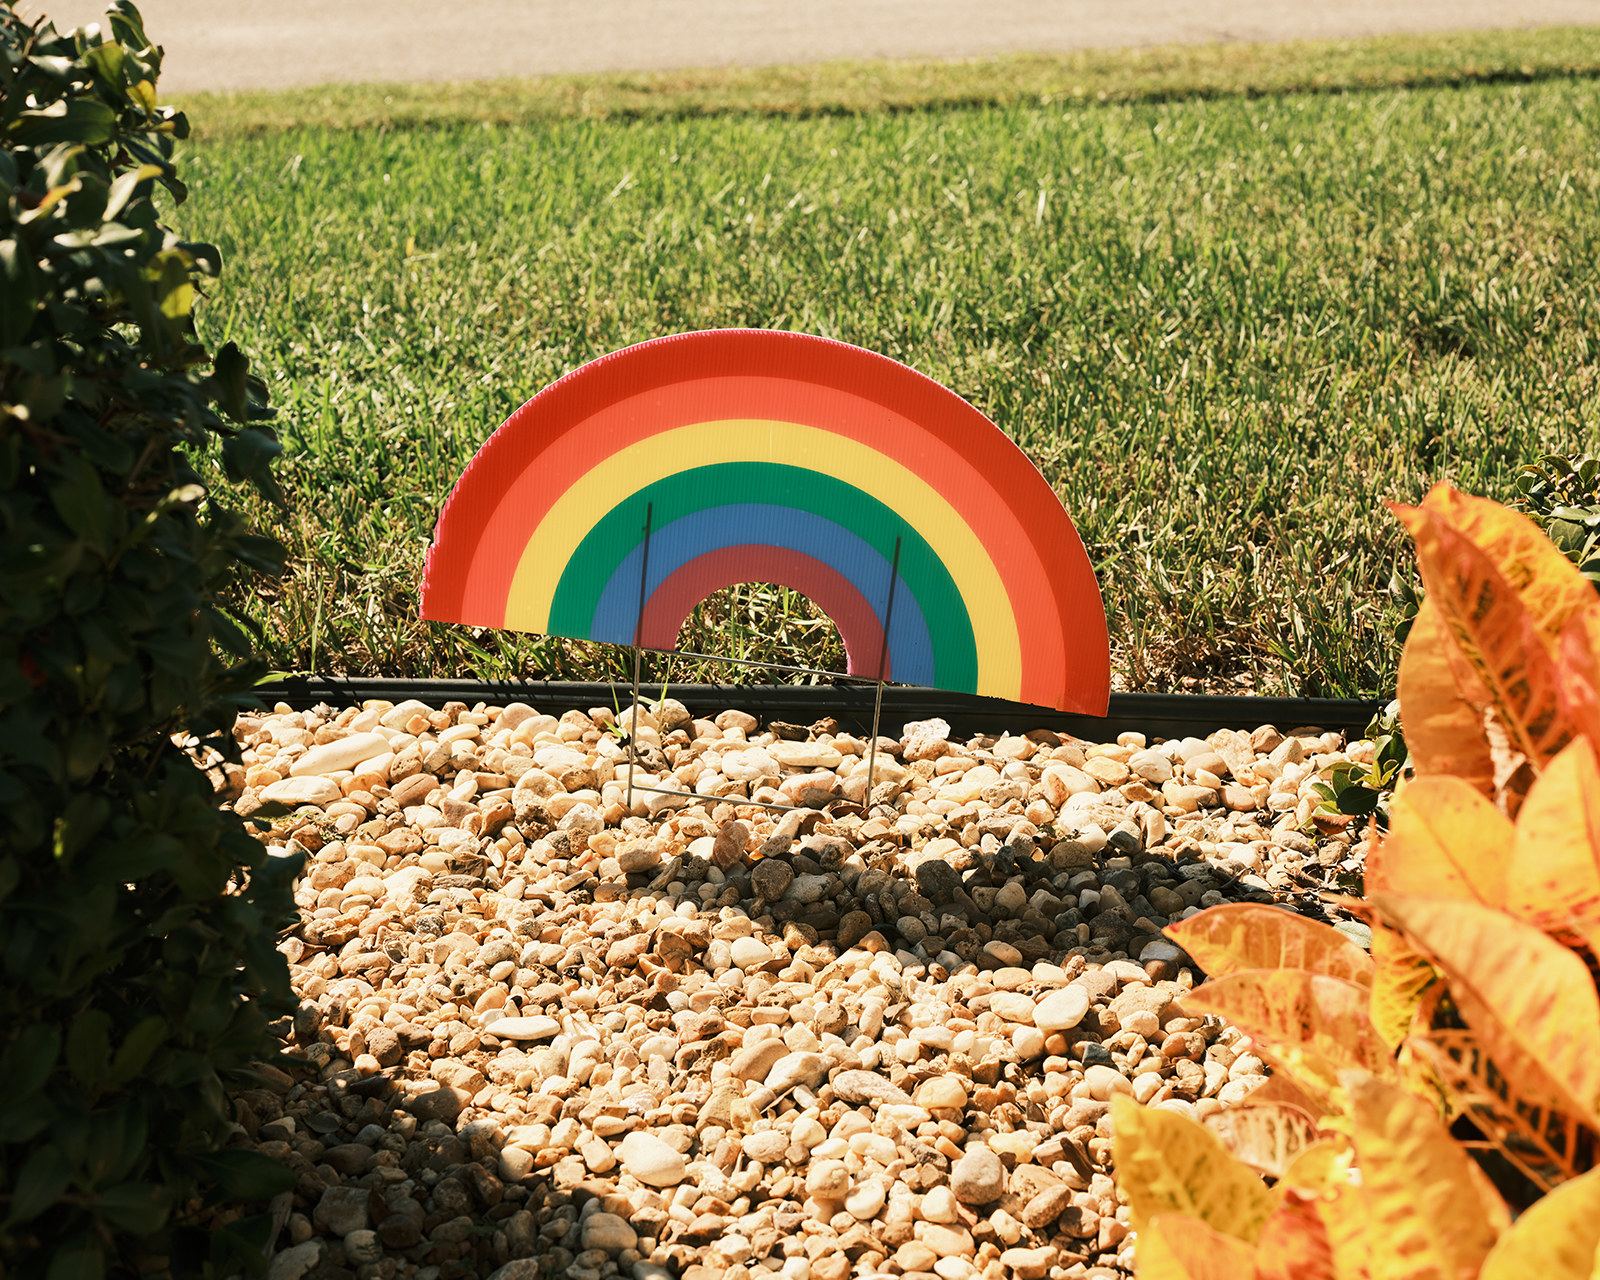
1228, 326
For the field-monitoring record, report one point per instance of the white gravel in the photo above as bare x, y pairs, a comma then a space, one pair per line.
551, 1036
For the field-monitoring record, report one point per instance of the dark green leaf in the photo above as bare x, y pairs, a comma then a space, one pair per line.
80, 1258
231, 370
139, 1208
26, 1063
18, 294
41, 1180
69, 120
246, 1175
89, 1046
136, 1048
1357, 801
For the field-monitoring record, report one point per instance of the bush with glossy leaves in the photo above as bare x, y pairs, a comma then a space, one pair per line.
138, 918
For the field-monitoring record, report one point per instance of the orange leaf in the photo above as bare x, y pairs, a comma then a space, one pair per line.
1529, 1000
1265, 1136
1443, 730
1431, 1217
1309, 1026
1504, 611
1175, 1246
1444, 839
1554, 873
1550, 588
1295, 1245
1579, 672
1250, 935
1401, 975
1558, 1238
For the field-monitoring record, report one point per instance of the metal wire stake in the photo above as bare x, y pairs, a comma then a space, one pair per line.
638, 631
883, 658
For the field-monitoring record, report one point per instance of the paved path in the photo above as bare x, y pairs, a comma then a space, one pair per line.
243, 44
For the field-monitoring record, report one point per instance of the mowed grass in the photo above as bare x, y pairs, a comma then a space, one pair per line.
1228, 329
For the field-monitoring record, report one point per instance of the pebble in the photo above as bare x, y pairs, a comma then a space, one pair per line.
978, 1177
1061, 1010
551, 1034
652, 1161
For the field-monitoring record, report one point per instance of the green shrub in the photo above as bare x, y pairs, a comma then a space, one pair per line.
137, 918
1562, 496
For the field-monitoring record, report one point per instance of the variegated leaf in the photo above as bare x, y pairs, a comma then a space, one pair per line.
1249, 935
1168, 1163
1529, 1000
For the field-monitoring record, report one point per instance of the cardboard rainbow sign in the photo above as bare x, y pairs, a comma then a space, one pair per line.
618, 498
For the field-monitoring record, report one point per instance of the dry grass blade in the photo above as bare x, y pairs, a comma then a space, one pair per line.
1546, 1146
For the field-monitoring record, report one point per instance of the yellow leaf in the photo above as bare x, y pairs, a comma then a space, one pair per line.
1250, 935
1503, 610
1309, 1026
1443, 730
1558, 1238
1554, 872
1529, 1001
1175, 1246
1168, 1163
1444, 839
1295, 1244
1402, 974
1427, 1215
1320, 1169
1343, 1211
1280, 1088
1266, 1136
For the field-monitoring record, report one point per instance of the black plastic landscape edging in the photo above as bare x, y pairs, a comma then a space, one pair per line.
1159, 714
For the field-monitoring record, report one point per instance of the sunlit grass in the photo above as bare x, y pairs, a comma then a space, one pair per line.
1227, 329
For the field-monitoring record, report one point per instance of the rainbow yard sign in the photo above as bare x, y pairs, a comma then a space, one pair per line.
618, 498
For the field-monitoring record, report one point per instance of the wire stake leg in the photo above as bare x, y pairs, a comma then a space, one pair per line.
883, 659
638, 631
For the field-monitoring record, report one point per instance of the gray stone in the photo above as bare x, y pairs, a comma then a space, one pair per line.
771, 878
937, 880
978, 1177
341, 1210
609, 1232
292, 1264
868, 1086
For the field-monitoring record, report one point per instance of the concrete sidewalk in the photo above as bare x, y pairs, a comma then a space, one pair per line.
250, 44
